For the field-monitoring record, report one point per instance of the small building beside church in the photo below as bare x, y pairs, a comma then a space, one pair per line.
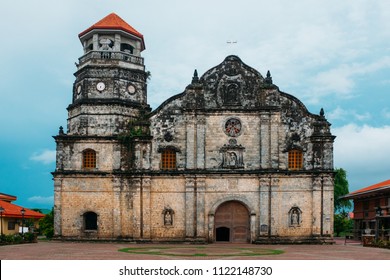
16, 219
230, 159
371, 213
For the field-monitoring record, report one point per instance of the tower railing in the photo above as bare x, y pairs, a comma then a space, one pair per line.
111, 55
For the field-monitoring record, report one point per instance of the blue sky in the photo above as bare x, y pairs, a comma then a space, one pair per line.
331, 54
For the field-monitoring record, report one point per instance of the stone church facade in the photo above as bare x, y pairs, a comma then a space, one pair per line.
231, 158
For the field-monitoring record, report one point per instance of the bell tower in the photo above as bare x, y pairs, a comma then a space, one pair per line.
110, 86
109, 93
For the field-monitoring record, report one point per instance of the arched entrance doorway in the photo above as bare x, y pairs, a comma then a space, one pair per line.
232, 222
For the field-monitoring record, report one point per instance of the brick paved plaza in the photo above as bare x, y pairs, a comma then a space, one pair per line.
54, 250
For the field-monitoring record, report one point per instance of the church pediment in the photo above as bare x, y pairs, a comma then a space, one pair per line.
232, 84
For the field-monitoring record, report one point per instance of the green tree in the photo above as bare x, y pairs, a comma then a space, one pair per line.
342, 224
341, 188
46, 225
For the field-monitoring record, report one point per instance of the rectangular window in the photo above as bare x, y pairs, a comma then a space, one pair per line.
295, 160
168, 159
89, 159
11, 225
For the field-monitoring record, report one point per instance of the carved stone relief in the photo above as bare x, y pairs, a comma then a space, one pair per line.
232, 155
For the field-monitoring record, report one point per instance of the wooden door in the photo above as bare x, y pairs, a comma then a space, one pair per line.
232, 222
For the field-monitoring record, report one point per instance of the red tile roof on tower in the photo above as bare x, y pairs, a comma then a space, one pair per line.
113, 21
12, 210
369, 189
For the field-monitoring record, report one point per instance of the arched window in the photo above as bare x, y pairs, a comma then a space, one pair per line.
168, 159
295, 159
127, 48
89, 159
90, 221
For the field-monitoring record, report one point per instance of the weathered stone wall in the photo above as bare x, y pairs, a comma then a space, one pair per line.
81, 194
108, 154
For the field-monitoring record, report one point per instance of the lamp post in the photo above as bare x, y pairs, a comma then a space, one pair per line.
1, 215
378, 213
22, 211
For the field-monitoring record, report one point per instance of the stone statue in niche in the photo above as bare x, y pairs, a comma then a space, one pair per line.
232, 159
295, 217
232, 155
168, 216
168, 219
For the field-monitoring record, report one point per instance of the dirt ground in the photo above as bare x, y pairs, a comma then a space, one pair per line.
55, 250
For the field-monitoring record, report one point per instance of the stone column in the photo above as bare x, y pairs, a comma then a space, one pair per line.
191, 142
200, 142
252, 227
328, 206
211, 228
117, 43
189, 207
57, 206
200, 207
274, 141
116, 211
146, 207
95, 41
263, 206
265, 141
316, 213
137, 219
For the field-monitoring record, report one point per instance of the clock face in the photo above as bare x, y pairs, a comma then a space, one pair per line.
78, 89
131, 89
233, 127
100, 86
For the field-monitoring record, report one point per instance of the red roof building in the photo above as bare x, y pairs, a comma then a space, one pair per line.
372, 209
14, 217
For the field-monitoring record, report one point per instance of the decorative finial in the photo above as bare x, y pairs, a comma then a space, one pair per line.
322, 113
195, 78
61, 131
268, 79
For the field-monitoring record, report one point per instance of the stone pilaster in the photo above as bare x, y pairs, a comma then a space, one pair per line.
316, 214
190, 142
265, 131
200, 142
200, 206
264, 199
116, 210
190, 207
146, 207
57, 206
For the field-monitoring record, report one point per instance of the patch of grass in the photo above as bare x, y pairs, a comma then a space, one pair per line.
200, 255
164, 251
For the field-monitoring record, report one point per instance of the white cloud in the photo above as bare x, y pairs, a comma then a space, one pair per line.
46, 157
41, 199
337, 114
363, 116
386, 113
342, 114
363, 151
